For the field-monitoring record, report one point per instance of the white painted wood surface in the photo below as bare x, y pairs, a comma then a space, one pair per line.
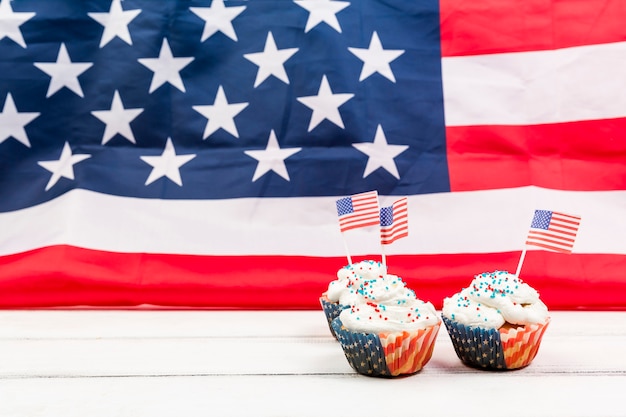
284, 363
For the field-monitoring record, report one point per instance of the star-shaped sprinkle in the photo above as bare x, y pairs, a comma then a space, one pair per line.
325, 105
115, 23
117, 119
271, 61
11, 21
380, 154
64, 72
218, 18
167, 165
272, 158
12, 122
220, 114
166, 68
376, 59
64, 166
322, 11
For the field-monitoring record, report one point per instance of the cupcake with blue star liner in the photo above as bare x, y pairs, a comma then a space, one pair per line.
497, 322
342, 292
388, 331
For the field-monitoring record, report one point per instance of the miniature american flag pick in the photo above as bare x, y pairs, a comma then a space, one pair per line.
553, 231
394, 221
359, 210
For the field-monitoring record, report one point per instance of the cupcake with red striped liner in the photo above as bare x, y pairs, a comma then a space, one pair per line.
342, 292
388, 331
497, 323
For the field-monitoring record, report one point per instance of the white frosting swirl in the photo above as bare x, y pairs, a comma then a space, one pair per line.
493, 299
385, 305
343, 289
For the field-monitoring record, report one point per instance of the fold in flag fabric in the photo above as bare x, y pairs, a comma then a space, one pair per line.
394, 221
190, 154
360, 210
553, 231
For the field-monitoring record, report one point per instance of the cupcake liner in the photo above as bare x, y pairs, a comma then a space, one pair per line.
388, 354
521, 344
331, 310
496, 349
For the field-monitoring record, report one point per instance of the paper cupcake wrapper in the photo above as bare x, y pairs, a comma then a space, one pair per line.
521, 344
496, 349
387, 354
331, 310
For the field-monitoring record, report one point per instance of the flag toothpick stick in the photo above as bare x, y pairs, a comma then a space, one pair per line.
383, 257
394, 224
345, 246
521, 260
551, 231
359, 210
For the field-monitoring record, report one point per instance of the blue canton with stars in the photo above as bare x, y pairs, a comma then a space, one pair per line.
219, 99
344, 206
386, 216
541, 219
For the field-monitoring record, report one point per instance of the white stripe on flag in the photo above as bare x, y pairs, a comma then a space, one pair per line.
538, 87
461, 222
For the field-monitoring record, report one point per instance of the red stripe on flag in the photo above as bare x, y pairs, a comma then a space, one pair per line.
564, 220
548, 247
357, 222
564, 231
390, 238
365, 199
82, 277
401, 231
541, 235
471, 28
577, 156
549, 244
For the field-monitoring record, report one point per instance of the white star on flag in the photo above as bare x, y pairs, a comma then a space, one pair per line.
12, 122
11, 21
115, 23
322, 11
117, 119
167, 165
218, 18
166, 68
325, 105
380, 154
64, 72
221, 114
64, 166
271, 61
272, 158
376, 59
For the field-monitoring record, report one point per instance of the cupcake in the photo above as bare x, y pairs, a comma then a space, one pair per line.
496, 323
341, 293
388, 331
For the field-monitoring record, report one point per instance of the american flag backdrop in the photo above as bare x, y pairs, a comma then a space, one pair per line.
188, 153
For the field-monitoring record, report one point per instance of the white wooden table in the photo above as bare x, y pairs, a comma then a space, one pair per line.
270, 363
